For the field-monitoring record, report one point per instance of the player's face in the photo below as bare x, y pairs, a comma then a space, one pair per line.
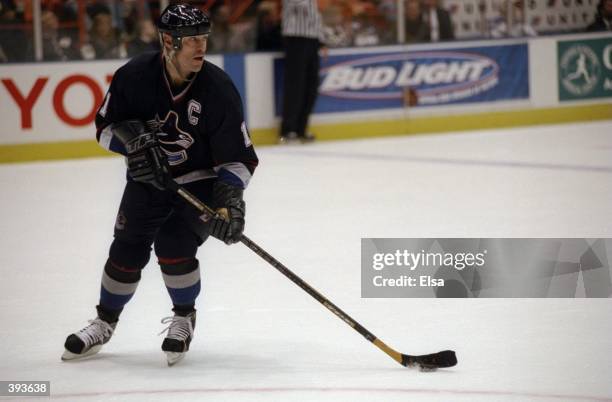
191, 55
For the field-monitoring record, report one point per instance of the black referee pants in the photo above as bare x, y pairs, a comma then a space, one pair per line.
301, 83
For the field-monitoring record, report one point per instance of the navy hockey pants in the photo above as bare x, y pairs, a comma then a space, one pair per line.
148, 217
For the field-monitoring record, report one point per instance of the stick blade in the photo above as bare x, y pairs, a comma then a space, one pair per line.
431, 362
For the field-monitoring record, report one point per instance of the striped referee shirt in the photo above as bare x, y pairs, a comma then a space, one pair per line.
301, 18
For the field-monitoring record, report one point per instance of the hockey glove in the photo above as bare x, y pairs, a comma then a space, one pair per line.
228, 222
146, 161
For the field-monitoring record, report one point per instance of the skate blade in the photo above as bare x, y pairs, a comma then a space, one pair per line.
174, 357
68, 355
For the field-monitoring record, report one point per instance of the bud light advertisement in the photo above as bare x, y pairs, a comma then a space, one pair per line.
370, 81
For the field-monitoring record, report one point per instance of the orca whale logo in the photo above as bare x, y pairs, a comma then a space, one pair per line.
174, 141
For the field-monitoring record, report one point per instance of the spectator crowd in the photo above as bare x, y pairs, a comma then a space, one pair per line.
105, 29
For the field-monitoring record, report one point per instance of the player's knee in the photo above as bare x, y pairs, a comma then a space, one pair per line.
178, 266
130, 255
120, 273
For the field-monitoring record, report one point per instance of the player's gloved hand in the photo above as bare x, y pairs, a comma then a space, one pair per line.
147, 163
150, 165
228, 222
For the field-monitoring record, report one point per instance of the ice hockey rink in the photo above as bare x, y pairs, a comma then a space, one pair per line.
260, 337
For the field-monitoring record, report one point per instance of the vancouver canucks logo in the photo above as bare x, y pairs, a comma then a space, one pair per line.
175, 141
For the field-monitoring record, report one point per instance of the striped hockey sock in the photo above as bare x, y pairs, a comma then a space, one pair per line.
182, 279
118, 287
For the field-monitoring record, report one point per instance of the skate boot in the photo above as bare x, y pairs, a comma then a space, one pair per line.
180, 333
290, 138
307, 138
89, 340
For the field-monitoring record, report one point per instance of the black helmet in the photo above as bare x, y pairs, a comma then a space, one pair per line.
181, 20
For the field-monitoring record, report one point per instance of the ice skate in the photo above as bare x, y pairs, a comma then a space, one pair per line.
307, 138
89, 340
180, 333
290, 138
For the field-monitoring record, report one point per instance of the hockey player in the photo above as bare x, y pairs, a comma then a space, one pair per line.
175, 117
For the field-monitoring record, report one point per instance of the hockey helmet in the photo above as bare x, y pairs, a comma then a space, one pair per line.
181, 20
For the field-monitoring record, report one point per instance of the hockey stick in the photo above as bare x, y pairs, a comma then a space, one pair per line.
429, 362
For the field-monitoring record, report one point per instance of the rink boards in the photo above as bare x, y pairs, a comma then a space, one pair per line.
48, 108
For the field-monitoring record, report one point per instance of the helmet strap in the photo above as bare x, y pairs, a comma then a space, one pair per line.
177, 42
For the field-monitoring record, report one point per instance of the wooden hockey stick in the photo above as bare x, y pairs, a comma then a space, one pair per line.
430, 362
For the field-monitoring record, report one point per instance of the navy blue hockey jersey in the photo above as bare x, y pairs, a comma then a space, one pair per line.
201, 127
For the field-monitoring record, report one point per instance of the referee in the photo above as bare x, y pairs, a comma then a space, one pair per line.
302, 30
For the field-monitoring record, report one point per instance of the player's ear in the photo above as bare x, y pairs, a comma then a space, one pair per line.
166, 41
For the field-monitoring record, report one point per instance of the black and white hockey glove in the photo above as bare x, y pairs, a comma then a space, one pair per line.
147, 162
228, 222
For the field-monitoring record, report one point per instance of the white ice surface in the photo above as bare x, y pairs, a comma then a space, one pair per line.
259, 337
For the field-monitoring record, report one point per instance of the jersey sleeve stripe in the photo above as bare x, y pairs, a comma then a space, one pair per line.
109, 142
105, 138
235, 173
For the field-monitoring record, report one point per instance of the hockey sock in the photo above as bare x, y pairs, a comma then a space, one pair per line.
182, 279
118, 287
